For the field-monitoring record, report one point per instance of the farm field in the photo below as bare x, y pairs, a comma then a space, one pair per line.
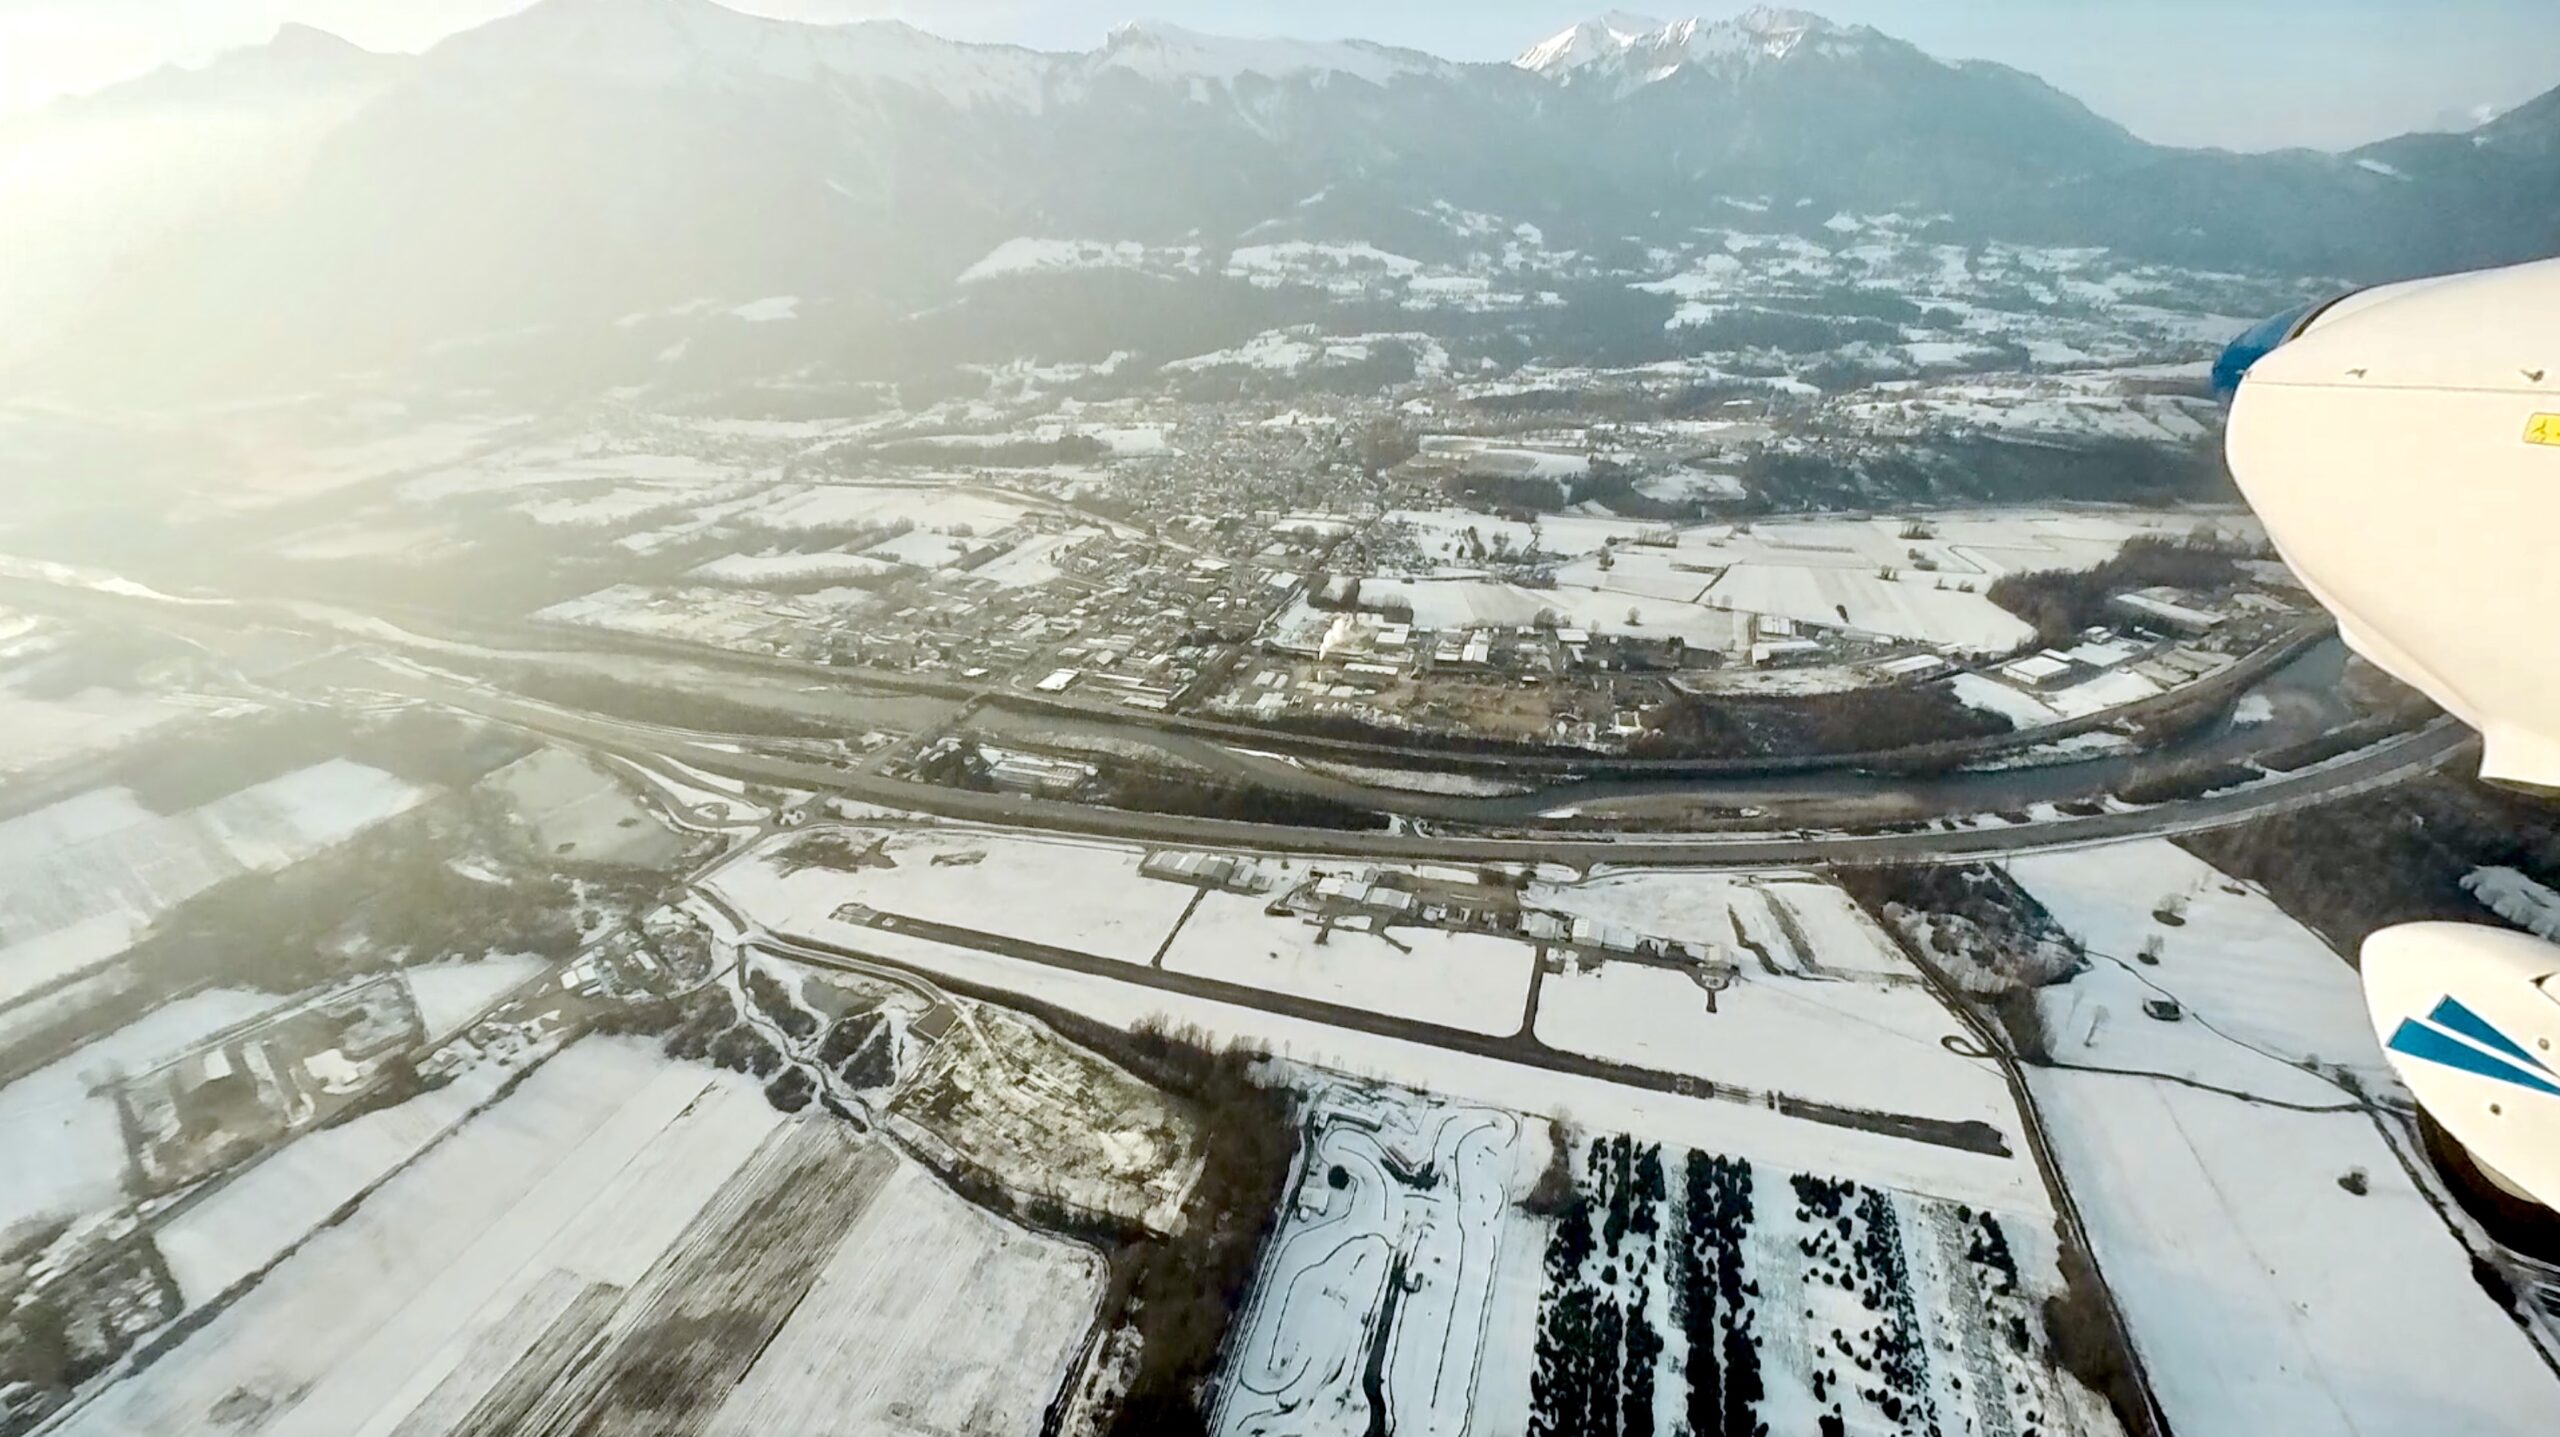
61, 1126
2267, 1297
1839, 1043
2271, 1253
1087, 897
1478, 982
1705, 582
577, 813
713, 1265
81, 880
1696, 908
2222, 949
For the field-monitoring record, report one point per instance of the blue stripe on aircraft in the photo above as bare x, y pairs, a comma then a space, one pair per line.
2453, 1017
2417, 1040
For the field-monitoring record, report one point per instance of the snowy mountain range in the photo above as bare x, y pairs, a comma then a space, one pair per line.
584, 159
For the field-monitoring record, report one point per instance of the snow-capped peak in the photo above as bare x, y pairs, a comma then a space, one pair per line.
1158, 51
1605, 38
1637, 49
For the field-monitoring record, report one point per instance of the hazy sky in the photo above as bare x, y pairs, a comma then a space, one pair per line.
2244, 73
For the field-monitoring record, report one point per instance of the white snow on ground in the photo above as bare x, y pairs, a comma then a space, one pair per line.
1523, 459
755, 570
81, 880
2106, 691
1911, 607
585, 1174
1055, 256
1840, 938
1806, 570
1303, 257
702, 797
727, 618
2265, 1297
1291, 351
1031, 563
933, 1316
450, 995
1461, 980
63, 1136
1298, 1364
2004, 1184
929, 507
2077, 748
1086, 897
1835, 1042
2517, 899
47, 731
2252, 710
1991, 695
629, 504
2235, 961
1451, 604
251, 1220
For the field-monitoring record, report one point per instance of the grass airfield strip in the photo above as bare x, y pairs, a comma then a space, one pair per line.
1961, 1156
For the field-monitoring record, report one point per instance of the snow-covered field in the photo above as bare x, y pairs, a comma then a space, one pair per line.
61, 1128
58, 729
576, 812
450, 995
2266, 1297
1086, 897
257, 1216
1703, 581
593, 1211
1843, 1043
2226, 952
750, 571
932, 1316
1474, 981
1674, 905
2516, 898
2111, 404
81, 880
1913, 606
932, 508
1451, 604
721, 617
1027, 256
1400, 1234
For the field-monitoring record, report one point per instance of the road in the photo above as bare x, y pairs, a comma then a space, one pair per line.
2391, 762
1478, 831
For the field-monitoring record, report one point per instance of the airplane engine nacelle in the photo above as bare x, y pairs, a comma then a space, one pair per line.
2470, 1018
2403, 447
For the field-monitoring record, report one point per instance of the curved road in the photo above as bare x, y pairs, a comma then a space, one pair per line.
2388, 763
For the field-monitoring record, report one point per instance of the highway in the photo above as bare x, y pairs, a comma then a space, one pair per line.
763, 759
745, 757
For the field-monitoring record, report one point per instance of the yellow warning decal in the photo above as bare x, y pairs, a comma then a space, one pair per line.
2543, 429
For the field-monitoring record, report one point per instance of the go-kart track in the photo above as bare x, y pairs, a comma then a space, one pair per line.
1392, 1262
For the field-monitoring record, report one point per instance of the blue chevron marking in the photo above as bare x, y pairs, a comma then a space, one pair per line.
2417, 1040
